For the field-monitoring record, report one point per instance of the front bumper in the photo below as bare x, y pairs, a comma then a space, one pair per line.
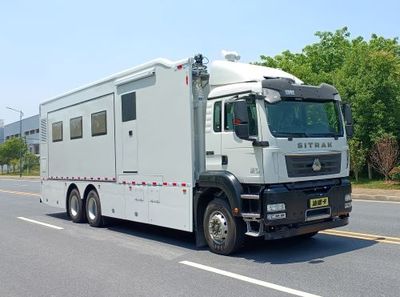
299, 217
290, 231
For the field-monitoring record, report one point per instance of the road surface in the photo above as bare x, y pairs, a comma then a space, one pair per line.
42, 253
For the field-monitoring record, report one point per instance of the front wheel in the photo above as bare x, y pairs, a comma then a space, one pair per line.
93, 209
224, 233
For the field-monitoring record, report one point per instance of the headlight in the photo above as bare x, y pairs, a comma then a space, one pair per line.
347, 197
276, 207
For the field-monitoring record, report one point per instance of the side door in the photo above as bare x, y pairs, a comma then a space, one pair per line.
128, 134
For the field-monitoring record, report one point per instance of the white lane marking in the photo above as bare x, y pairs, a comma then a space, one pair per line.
40, 223
249, 279
376, 201
19, 193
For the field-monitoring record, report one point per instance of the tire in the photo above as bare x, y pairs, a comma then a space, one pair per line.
93, 210
224, 233
76, 207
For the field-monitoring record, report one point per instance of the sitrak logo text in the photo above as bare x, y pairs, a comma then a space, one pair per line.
304, 145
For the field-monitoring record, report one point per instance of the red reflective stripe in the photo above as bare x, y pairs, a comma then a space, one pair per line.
174, 184
154, 184
183, 184
133, 183
165, 183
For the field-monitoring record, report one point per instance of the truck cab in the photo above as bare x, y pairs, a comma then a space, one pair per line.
285, 143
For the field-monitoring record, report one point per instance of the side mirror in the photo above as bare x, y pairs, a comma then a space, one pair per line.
241, 119
348, 119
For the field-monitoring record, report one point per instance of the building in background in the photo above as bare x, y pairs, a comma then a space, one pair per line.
30, 132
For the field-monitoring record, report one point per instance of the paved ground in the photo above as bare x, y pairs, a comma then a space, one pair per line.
128, 259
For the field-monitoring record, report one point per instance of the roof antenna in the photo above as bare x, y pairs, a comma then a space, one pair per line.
230, 56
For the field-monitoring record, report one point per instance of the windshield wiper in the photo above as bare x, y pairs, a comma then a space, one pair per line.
327, 134
292, 134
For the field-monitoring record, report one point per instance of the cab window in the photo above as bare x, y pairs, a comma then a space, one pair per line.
217, 117
252, 111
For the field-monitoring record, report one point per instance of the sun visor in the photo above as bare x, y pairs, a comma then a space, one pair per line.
287, 89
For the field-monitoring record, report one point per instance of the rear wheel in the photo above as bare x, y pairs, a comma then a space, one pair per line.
93, 210
224, 233
76, 207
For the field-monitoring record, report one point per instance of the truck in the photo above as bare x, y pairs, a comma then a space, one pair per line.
225, 150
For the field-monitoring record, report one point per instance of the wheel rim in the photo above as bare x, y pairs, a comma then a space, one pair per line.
74, 205
92, 208
218, 227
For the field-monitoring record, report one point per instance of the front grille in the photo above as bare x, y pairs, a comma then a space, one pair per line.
302, 165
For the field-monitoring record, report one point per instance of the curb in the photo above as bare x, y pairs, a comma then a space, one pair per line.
375, 197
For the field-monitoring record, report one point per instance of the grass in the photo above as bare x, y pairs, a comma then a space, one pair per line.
34, 172
375, 184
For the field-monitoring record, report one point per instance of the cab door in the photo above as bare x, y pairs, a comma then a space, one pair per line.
239, 156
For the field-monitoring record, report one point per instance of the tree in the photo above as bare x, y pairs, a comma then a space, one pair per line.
11, 150
317, 62
358, 156
2, 158
384, 155
31, 161
370, 80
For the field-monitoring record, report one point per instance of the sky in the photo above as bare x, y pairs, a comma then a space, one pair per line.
50, 47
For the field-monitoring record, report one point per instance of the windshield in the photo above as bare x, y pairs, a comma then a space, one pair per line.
302, 118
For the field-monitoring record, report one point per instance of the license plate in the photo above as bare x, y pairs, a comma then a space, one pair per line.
318, 202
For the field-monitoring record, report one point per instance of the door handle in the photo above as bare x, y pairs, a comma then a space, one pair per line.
130, 132
224, 160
